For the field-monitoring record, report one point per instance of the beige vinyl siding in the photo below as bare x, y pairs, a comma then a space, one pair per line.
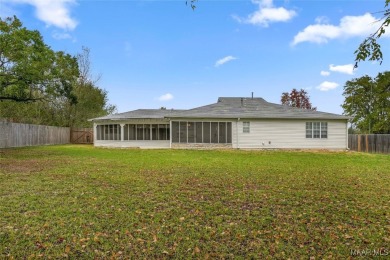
289, 134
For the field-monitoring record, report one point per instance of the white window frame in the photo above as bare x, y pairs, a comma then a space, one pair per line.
323, 127
246, 127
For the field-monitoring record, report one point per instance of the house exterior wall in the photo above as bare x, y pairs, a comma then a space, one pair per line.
264, 134
288, 134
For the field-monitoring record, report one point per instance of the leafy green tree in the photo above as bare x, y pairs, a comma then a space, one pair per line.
295, 98
40, 86
29, 69
92, 102
370, 49
367, 101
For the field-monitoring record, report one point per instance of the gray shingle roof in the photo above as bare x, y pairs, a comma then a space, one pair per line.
235, 107
138, 114
230, 107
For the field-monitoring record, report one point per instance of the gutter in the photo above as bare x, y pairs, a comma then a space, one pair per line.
238, 119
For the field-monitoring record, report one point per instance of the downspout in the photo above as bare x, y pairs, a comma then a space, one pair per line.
346, 137
170, 133
237, 142
94, 133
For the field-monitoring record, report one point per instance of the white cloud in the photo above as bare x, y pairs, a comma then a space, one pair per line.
346, 69
267, 14
166, 97
61, 36
327, 85
322, 19
350, 26
324, 73
224, 60
52, 12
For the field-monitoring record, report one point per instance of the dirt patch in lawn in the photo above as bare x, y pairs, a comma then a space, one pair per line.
25, 166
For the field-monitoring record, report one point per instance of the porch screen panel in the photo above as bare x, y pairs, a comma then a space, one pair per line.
111, 132
175, 132
154, 132
147, 132
201, 132
206, 132
229, 132
214, 132
168, 132
191, 132
108, 132
98, 131
222, 132
125, 132
101, 132
140, 132
116, 132
163, 132
131, 133
198, 132
106, 135
183, 132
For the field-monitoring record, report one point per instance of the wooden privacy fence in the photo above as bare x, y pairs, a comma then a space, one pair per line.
81, 136
373, 143
18, 135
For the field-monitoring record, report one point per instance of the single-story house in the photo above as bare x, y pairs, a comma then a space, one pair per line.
232, 122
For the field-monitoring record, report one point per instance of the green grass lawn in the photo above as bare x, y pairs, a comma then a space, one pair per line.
85, 202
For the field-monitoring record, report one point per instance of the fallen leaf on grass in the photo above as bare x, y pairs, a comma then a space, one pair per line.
347, 236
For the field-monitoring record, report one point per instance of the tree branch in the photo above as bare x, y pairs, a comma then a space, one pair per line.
18, 99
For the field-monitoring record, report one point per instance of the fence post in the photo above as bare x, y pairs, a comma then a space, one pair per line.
358, 143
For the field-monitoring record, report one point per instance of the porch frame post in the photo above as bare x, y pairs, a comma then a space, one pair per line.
122, 132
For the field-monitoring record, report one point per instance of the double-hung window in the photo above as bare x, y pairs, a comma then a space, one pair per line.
316, 130
246, 127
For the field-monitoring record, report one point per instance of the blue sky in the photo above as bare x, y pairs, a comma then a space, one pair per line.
161, 53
